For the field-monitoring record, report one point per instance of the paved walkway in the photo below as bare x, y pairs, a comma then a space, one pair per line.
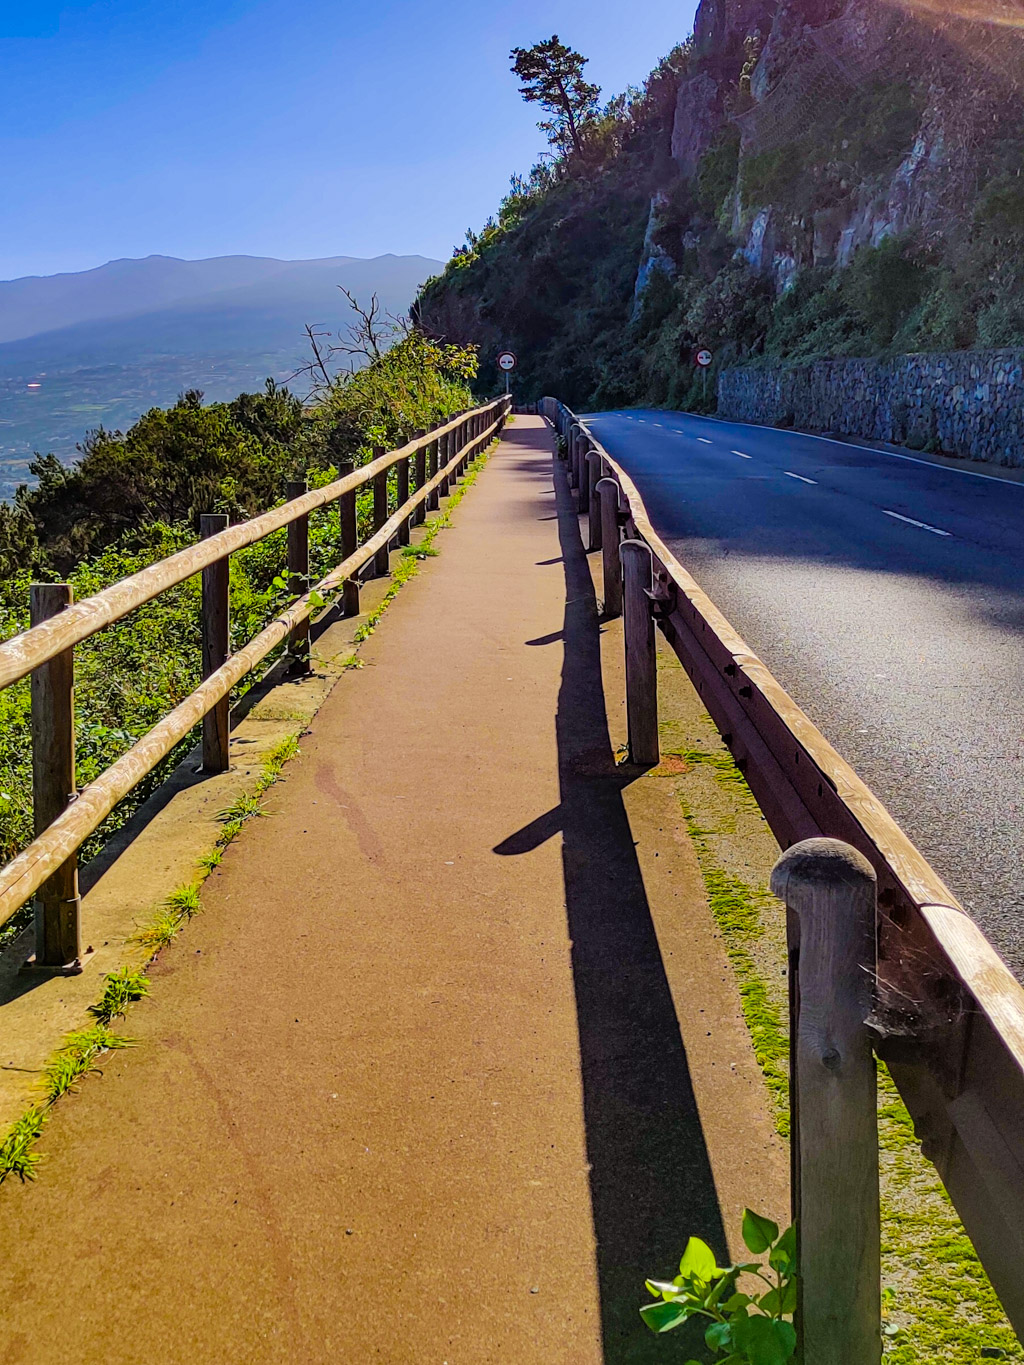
380, 1096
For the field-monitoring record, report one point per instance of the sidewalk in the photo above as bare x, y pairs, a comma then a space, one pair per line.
412, 1089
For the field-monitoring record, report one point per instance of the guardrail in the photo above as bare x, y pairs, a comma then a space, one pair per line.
64, 818
946, 1013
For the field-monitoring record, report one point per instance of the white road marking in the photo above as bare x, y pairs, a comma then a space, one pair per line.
873, 450
799, 476
741, 455
704, 439
911, 522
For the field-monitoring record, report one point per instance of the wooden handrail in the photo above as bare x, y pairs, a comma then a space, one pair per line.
22, 653
27, 872
949, 1014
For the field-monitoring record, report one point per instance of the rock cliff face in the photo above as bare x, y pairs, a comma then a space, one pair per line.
932, 90
805, 179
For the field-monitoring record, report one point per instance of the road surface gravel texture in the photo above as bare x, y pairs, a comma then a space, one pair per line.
886, 593
412, 1089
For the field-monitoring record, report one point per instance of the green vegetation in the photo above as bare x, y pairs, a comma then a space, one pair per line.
607, 267
552, 76
135, 498
122, 989
938, 1303
76, 1057
748, 1328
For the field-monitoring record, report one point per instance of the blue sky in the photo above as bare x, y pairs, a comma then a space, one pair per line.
302, 129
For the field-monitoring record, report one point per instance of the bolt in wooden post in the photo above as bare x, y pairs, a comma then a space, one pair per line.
349, 534
830, 894
593, 503
608, 497
641, 657
216, 646
381, 560
403, 497
298, 580
420, 515
52, 691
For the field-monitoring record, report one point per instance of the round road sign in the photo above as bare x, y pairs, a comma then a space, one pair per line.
507, 361
703, 358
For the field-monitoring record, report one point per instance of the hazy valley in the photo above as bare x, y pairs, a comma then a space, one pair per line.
100, 347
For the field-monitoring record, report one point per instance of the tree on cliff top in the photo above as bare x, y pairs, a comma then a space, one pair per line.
552, 76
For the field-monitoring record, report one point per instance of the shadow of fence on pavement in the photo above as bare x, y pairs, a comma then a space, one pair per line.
650, 1177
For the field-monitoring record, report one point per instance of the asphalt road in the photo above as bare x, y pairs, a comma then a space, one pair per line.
886, 593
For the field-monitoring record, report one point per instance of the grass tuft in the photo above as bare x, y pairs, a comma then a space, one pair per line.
78, 1057
122, 989
177, 910
16, 1150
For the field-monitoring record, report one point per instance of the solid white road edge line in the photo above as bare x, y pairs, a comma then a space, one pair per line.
911, 522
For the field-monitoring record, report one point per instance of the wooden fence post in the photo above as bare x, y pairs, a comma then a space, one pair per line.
403, 497
382, 559
582, 475
298, 580
52, 689
433, 465
593, 504
641, 656
444, 446
830, 894
608, 496
349, 540
216, 627
420, 515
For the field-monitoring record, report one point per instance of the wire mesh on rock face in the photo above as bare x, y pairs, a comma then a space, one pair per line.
845, 54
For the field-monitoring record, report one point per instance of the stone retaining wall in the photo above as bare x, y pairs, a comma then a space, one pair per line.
968, 403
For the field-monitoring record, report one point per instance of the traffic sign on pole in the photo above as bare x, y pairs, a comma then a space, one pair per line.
507, 363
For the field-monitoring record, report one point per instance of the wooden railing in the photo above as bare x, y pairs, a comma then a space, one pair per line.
64, 817
946, 1013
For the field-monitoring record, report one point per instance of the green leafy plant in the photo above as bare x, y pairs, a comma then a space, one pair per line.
121, 989
745, 1328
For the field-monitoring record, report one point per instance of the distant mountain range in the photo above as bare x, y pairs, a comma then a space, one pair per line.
100, 346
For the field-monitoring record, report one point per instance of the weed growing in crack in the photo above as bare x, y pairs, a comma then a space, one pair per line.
122, 989
78, 1057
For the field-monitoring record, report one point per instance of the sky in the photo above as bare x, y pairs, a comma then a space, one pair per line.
294, 129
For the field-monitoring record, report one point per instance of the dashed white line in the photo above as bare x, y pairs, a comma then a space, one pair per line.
791, 475
742, 455
911, 522
704, 440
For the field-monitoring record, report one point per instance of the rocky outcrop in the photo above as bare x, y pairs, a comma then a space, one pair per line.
776, 72
968, 403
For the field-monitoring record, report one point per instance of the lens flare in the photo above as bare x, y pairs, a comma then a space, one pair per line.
971, 11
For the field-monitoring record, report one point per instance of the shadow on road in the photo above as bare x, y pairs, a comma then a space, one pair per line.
650, 1177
